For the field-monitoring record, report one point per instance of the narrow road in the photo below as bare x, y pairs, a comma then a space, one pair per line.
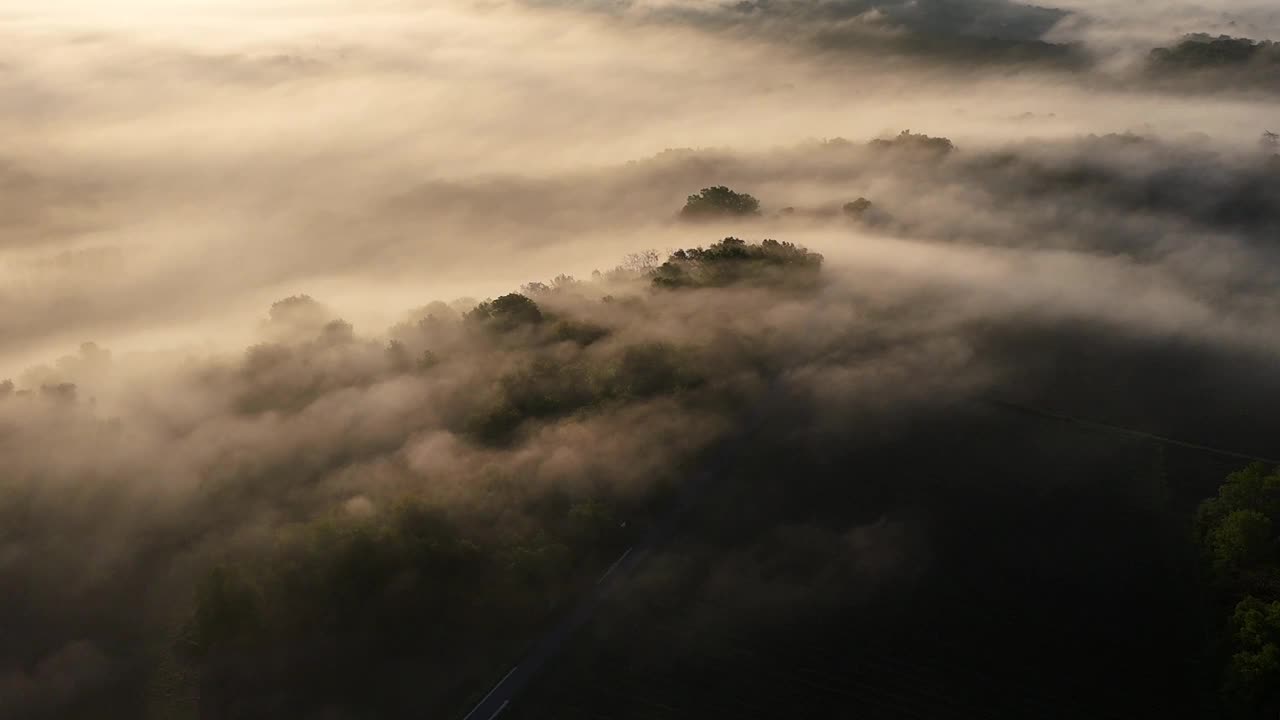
550, 644
500, 698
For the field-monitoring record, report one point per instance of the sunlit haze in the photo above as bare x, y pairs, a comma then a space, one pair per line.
277, 274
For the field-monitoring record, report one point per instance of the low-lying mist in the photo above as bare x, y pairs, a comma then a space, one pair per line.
348, 341
220, 157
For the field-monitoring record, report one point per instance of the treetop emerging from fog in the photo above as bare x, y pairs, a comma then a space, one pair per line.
733, 261
915, 141
719, 201
512, 342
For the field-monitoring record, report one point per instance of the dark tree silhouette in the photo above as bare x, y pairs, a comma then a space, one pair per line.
1200, 51
506, 313
857, 208
732, 261
719, 201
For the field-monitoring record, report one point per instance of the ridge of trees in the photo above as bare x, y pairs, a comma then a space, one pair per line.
1200, 50
734, 261
343, 607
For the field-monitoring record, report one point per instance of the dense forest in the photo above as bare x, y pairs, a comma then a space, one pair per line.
354, 595
571, 418
478, 359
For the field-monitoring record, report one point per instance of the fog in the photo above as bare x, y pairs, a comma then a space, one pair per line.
189, 162
171, 170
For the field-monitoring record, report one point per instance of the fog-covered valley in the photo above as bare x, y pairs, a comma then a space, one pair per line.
348, 343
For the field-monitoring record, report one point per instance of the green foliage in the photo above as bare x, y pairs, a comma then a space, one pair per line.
543, 388
719, 201
1253, 488
507, 313
337, 600
1241, 540
549, 387
1254, 674
732, 261
1237, 528
1237, 531
331, 614
329, 573
1256, 623
651, 369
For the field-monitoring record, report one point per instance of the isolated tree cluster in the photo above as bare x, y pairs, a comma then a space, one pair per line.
919, 142
718, 202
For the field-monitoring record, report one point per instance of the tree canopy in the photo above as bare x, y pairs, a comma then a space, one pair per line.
907, 140
1237, 533
506, 313
732, 261
856, 208
719, 201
